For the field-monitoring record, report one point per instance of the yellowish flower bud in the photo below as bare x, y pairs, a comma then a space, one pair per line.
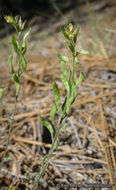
71, 27
9, 19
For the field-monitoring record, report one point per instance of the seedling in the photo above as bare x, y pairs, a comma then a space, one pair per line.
62, 109
19, 46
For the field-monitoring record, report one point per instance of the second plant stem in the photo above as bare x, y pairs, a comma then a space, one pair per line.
53, 147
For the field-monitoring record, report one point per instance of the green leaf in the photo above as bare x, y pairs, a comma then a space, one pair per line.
65, 34
20, 22
63, 58
7, 158
53, 112
2, 89
74, 93
45, 158
23, 25
71, 46
65, 82
80, 79
70, 82
56, 95
11, 188
55, 145
76, 34
74, 90
64, 69
63, 109
15, 45
24, 64
17, 83
68, 104
64, 126
24, 45
64, 104
76, 61
10, 63
48, 126
81, 51
71, 99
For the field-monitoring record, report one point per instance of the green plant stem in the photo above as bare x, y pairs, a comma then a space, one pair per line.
63, 110
11, 119
18, 56
73, 71
53, 147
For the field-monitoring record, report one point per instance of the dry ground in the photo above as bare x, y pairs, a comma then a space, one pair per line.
87, 151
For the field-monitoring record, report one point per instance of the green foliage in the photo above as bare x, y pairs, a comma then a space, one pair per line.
2, 89
48, 125
53, 112
17, 83
19, 45
56, 95
10, 63
11, 188
67, 77
16, 22
62, 110
81, 51
7, 158
24, 45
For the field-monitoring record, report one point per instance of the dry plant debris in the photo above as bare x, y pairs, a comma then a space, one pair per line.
88, 146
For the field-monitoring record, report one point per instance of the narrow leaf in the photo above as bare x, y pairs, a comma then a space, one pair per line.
65, 82
63, 110
80, 79
65, 34
76, 34
46, 157
17, 83
71, 46
81, 51
56, 95
55, 145
2, 89
71, 99
76, 61
63, 58
64, 104
7, 158
74, 90
68, 104
14, 43
20, 22
64, 68
23, 25
24, 64
74, 93
53, 112
48, 126
64, 126
70, 82
24, 45
10, 63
